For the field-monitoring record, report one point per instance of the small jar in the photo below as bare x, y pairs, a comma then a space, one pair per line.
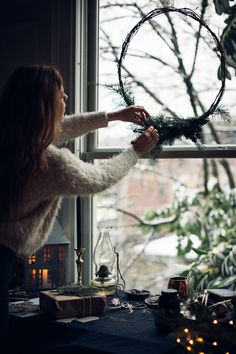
169, 300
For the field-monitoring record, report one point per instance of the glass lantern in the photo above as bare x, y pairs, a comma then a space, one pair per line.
104, 259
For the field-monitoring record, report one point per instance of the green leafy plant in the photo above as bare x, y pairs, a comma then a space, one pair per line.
205, 226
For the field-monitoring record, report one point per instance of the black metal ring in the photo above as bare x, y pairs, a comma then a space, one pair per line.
187, 12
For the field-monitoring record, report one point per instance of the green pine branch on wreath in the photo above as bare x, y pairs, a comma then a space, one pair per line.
175, 127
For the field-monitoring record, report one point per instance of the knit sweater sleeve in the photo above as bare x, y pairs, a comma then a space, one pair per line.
69, 176
76, 125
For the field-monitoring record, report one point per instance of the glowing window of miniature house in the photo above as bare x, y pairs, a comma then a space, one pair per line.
32, 259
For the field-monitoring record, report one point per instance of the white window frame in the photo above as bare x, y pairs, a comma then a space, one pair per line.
87, 78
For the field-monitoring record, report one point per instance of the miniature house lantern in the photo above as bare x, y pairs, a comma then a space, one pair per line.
47, 268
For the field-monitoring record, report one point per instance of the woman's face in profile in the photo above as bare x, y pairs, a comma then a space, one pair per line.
62, 103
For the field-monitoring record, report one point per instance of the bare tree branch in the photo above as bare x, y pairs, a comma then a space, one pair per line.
204, 6
160, 221
130, 264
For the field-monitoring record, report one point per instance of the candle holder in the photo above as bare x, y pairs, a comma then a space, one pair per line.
79, 264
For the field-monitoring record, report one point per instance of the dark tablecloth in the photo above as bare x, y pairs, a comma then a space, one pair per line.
115, 332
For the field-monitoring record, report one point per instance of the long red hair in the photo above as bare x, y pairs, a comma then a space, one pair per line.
28, 124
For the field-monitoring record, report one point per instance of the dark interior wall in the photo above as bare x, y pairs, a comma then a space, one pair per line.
38, 32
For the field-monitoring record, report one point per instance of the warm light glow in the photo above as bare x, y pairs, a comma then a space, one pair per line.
201, 353
45, 276
189, 348
227, 353
186, 330
215, 322
191, 342
32, 259
200, 340
231, 322
215, 344
178, 340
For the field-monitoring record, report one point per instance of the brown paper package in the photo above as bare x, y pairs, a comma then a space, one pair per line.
63, 306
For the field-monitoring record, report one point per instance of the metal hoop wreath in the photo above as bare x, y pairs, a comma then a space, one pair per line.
165, 127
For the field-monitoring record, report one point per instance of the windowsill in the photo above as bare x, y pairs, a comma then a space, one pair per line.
183, 151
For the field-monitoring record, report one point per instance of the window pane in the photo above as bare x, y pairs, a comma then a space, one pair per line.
193, 200
152, 68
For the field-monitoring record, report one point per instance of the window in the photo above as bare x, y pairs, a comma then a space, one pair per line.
47, 254
61, 254
32, 259
149, 255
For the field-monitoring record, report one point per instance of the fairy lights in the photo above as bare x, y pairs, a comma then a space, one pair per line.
199, 345
204, 332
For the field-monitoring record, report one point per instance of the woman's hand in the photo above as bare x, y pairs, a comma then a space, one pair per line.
133, 114
146, 141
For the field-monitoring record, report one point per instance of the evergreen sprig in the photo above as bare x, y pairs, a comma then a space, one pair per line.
74, 289
173, 128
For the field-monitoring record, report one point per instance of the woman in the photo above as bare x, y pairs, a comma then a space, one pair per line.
35, 174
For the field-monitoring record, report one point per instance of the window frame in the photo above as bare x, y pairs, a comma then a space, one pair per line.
88, 148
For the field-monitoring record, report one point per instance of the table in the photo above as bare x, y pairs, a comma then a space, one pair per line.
115, 332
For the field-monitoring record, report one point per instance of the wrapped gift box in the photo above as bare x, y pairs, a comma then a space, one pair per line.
62, 306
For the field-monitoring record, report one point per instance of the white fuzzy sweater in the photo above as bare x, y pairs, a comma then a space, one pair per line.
66, 176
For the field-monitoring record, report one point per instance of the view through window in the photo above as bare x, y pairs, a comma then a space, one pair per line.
168, 215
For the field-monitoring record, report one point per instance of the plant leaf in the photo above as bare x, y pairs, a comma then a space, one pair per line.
199, 251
